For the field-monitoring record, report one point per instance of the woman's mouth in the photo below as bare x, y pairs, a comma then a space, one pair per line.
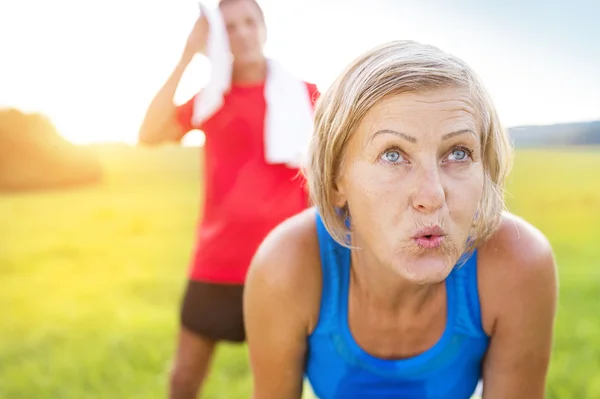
429, 237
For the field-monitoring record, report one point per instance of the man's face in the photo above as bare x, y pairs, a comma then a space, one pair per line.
246, 29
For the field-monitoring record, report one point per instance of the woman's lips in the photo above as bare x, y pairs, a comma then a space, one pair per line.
429, 237
429, 241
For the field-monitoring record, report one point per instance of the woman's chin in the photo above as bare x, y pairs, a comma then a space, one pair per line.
425, 269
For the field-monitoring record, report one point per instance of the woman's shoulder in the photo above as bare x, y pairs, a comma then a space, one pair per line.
287, 264
514, 266
290, 243
518, 245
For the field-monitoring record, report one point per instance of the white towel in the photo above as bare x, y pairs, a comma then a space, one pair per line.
217, 51
289, 115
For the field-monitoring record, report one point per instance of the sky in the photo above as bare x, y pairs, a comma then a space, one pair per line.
93, 66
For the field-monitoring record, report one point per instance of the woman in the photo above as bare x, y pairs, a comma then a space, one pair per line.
408, 280
246, 196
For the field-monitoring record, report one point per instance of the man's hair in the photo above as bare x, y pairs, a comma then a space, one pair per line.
225, 2
389, 69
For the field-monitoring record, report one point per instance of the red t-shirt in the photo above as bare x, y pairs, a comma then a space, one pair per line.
245, 197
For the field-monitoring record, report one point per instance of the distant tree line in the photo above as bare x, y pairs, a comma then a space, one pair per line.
34, 156
565, 134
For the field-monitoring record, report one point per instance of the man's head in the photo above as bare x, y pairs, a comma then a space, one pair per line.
246, 28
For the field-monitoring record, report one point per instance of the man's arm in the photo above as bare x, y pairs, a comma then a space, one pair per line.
160, 122
520, 349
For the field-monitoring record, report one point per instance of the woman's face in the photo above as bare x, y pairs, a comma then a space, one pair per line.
412, 177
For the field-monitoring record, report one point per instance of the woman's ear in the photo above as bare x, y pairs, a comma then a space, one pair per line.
339, 193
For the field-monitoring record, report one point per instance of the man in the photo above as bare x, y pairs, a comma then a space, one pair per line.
245, 197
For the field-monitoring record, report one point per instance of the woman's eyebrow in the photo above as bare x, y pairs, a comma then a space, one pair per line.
412, 139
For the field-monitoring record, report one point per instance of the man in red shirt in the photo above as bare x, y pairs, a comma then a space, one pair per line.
245, 197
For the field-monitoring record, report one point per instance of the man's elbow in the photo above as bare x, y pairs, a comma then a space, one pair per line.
151, 136
148, 138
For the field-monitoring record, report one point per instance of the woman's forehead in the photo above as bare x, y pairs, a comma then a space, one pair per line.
445, 107
428, 100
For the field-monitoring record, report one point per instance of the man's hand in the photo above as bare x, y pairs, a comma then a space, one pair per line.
197, 39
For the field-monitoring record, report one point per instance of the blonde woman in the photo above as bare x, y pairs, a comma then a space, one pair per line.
408, 279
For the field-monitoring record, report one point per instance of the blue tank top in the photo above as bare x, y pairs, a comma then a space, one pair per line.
337, 367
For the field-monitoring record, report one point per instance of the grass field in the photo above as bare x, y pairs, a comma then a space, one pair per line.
91, 278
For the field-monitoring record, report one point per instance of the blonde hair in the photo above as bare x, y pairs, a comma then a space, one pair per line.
389, 69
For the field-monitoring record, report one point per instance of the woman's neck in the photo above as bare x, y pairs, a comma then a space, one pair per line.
385, 288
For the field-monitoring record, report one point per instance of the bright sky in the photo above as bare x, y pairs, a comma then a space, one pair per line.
93, 67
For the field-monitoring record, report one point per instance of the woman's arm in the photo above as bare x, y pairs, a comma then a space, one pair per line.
520, 349
279, 307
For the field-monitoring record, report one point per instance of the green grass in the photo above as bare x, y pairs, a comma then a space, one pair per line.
91, 278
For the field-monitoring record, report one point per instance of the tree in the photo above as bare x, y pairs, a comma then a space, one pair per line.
34, 156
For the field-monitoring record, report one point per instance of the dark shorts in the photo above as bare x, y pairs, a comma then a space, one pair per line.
214, 311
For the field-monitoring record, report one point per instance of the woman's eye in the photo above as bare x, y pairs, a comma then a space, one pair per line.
458, 154
392, 156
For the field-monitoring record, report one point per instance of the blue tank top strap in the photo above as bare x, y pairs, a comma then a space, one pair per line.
468, 309
333, 257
